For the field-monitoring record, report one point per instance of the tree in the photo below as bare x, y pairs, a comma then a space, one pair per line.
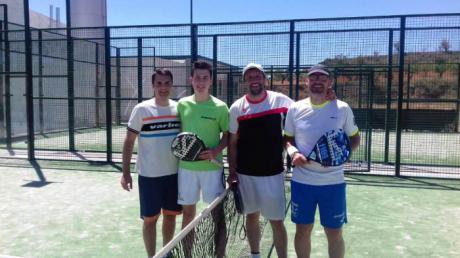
444, 46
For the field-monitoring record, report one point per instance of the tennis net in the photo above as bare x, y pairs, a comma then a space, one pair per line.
218, 231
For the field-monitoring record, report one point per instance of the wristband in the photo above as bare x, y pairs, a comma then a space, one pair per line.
291, 150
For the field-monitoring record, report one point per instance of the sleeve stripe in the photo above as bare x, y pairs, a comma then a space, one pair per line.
288, 134
354, 133
132, 130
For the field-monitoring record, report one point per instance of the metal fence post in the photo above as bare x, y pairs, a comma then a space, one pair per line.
7, 79
214, 66
291, 56
98, 84
388, 103
139, 70
230, 87
118, 89
402, 35
40, 81
369, 119
29, 84
108, 92
2, 118
408, 86
193, 43
297, 65
70, 76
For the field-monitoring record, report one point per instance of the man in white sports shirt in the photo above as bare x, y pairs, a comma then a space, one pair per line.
255, 156
312, 184
156, 123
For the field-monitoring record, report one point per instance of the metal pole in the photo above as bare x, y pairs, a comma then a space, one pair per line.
7, 80
118, 89
40, 80
271, 77
230, 87
360, 86
457, 125
291, 56
191, 11
297, 65
214, 66
399, 113
98, 84
139, 70
70, 82
29, 84
2, 118
408, 87
108, 93
388, 104
370, 121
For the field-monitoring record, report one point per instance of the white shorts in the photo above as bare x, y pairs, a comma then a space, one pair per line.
211, 184
264, 194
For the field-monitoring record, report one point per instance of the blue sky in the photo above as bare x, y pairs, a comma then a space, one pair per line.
134, 12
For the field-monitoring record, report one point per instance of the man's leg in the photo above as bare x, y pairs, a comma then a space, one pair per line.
188, 214
169, 226
336, 244
279, 237
149, 232
252, 226
302, 240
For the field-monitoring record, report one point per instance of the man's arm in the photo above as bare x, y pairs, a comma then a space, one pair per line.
212, 153
298, 159
354, 141
128, 145
231, 157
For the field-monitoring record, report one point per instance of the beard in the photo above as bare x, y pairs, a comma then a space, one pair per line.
256, 90
318, 88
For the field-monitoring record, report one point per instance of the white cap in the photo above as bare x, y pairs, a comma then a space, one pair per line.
253, 66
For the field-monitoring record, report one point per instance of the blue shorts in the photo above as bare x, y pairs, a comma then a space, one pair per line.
330, 199
157, 193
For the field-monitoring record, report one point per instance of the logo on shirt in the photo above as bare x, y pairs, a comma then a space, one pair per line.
209, 118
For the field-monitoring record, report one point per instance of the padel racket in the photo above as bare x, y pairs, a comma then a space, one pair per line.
188, 146
332, 149
237, 197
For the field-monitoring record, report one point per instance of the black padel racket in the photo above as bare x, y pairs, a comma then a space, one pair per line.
188, 146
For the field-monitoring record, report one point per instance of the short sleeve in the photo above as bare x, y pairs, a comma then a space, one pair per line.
289, 127
135, 120
223, 121
233, 119
350, 126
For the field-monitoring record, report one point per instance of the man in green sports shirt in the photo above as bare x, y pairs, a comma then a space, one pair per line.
207, 116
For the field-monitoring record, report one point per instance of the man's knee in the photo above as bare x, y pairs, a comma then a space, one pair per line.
151, 221
333, 234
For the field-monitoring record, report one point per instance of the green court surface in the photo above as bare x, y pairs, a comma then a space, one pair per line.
76, 209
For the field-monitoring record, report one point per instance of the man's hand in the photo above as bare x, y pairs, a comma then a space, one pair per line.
232, 178
127, 182
298, 159
209, 154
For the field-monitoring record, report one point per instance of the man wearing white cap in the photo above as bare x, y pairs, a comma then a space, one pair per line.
255, 153
314, 185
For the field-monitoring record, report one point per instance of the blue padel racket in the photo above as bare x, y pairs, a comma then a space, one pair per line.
332, 149
188, 146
